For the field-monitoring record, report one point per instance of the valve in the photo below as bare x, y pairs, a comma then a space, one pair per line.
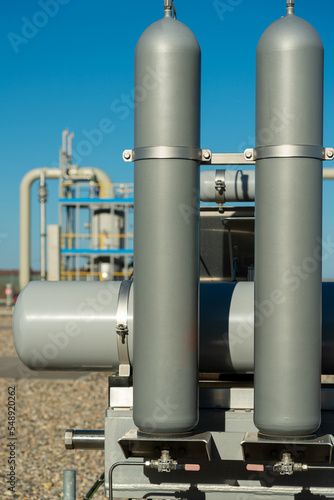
287, 466
166, 464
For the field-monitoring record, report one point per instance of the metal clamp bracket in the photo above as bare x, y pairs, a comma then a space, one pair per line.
122, 329
245, 158
293, 151
162, 152
249, 156
220, 186
204, 156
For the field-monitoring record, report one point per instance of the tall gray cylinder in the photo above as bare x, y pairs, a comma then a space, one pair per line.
166, 229
289, 111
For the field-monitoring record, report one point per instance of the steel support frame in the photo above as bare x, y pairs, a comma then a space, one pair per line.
225, 476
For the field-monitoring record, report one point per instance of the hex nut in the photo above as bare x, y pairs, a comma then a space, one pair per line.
69, 439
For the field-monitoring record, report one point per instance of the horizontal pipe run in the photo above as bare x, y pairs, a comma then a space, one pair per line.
227, 185
220, 186
328, 173
57, 324
84, 440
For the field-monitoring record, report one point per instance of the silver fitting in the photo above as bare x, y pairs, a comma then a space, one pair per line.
169, 7
290, 6
164, 464
287, 466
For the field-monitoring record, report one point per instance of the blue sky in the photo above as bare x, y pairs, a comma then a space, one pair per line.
69, 70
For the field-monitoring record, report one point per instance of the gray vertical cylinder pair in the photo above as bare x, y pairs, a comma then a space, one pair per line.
166, 229
289, 111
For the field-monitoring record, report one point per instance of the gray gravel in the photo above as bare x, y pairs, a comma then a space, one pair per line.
44, 409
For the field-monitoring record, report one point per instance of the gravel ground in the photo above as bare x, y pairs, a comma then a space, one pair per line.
44, 409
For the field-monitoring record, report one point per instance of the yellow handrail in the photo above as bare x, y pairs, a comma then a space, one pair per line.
101, 236
69, 274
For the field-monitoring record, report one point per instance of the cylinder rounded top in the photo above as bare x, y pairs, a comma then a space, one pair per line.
289, 33
168, 35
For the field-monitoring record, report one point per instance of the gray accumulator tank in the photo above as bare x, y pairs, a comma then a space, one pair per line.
166, 227
289, 135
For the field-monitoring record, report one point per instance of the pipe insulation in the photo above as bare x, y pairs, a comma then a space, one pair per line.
166, 227
72, 326
288, 229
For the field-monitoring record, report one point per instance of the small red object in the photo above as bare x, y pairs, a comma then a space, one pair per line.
255, 467
192, 467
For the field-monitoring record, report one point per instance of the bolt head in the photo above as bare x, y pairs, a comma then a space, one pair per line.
127, 155
206, 155
330, 153
69, 439
248, 155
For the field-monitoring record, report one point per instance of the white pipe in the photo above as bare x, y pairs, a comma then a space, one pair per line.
69, 152
27, 181
43, 238
25, 188
328, 173
63, 154
63, 144
103, 178
42, 199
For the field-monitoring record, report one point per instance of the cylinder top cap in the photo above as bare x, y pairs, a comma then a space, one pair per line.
289, 33
167, 35
290, 4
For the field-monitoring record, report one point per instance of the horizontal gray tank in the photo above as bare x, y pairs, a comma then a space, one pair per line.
72, 326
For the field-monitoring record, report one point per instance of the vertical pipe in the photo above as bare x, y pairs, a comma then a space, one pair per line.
69, 484
289, 111
42, 199
69, 150
25, 226
25, 187
63, 153
166, 230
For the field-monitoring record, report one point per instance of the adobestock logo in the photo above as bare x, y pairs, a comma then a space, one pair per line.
31, 27
225, 7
